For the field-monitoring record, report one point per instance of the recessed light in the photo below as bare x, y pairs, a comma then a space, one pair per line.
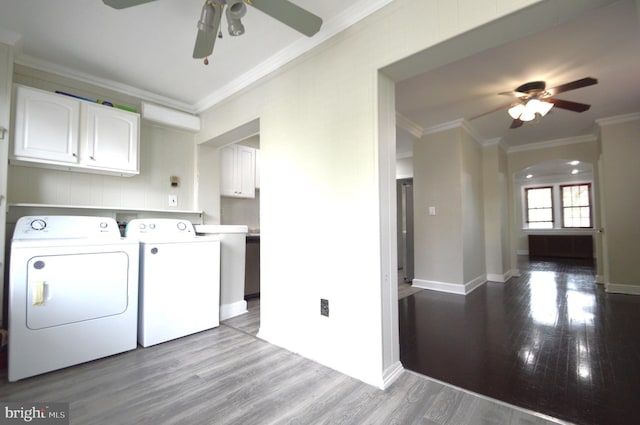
529, 176
574, 162
574, 171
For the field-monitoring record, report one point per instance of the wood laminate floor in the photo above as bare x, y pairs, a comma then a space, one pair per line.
228, 376
551, 340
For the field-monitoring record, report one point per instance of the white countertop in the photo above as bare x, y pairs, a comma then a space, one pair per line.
221, 228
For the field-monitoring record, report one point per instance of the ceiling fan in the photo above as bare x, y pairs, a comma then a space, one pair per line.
535, 100
284, 11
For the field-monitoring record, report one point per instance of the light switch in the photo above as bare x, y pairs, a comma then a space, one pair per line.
432, 210
173, 200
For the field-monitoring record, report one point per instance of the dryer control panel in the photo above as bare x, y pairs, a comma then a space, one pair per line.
65, 227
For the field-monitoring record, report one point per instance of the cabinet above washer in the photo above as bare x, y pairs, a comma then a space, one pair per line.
62, 132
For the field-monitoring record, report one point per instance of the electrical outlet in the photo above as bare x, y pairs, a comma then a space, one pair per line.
324, 307
173, 200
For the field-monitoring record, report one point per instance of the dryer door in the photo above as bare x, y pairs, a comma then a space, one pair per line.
72, 288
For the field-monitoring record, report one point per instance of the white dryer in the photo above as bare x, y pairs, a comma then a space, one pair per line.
73, 293
179, 279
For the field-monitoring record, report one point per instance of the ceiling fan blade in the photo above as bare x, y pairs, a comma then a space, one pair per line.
123, 4
516, 123
584, 82
499, 108
513, 93
206, 38
289, 14
567, 104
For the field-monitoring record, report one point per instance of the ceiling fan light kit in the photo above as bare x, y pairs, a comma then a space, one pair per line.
236, 10
530, 109
284, 11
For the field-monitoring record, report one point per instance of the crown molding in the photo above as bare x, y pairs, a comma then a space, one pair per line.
458, 123
409, 126
619, 119
347, 18
587, 138
41, 65
444, 126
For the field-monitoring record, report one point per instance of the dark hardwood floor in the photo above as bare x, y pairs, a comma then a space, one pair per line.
550, 340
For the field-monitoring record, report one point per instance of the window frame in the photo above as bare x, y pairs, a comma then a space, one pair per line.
590, 205
526, 206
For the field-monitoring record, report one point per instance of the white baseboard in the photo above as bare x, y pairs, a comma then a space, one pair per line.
391, 374
515, 273
494, 277
619, 288
451, 288
600, 279
228, 311
522, 252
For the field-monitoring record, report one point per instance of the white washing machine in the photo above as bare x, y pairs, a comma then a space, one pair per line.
179, 279
73, 293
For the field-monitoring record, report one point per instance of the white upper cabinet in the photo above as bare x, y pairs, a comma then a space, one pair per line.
46, 126
111, 138
238, 171
58, 131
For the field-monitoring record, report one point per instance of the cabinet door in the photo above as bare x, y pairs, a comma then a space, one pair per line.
237, 171
245, 172
227, 171
46, 126
111, 138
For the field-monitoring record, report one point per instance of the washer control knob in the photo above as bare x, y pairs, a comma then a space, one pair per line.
181, 226
152, 226
38, 224
142, 226
103, 225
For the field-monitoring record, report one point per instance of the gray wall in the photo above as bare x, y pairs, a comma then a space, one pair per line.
621, 202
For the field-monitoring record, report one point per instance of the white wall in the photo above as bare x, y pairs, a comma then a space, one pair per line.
321, 220
208, 186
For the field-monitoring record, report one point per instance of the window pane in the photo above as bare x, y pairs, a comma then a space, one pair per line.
539, 207
576, 208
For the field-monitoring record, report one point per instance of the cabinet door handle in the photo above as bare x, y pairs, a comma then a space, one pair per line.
92, 158
74, 154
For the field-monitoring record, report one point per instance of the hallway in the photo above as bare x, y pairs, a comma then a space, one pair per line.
551, 341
